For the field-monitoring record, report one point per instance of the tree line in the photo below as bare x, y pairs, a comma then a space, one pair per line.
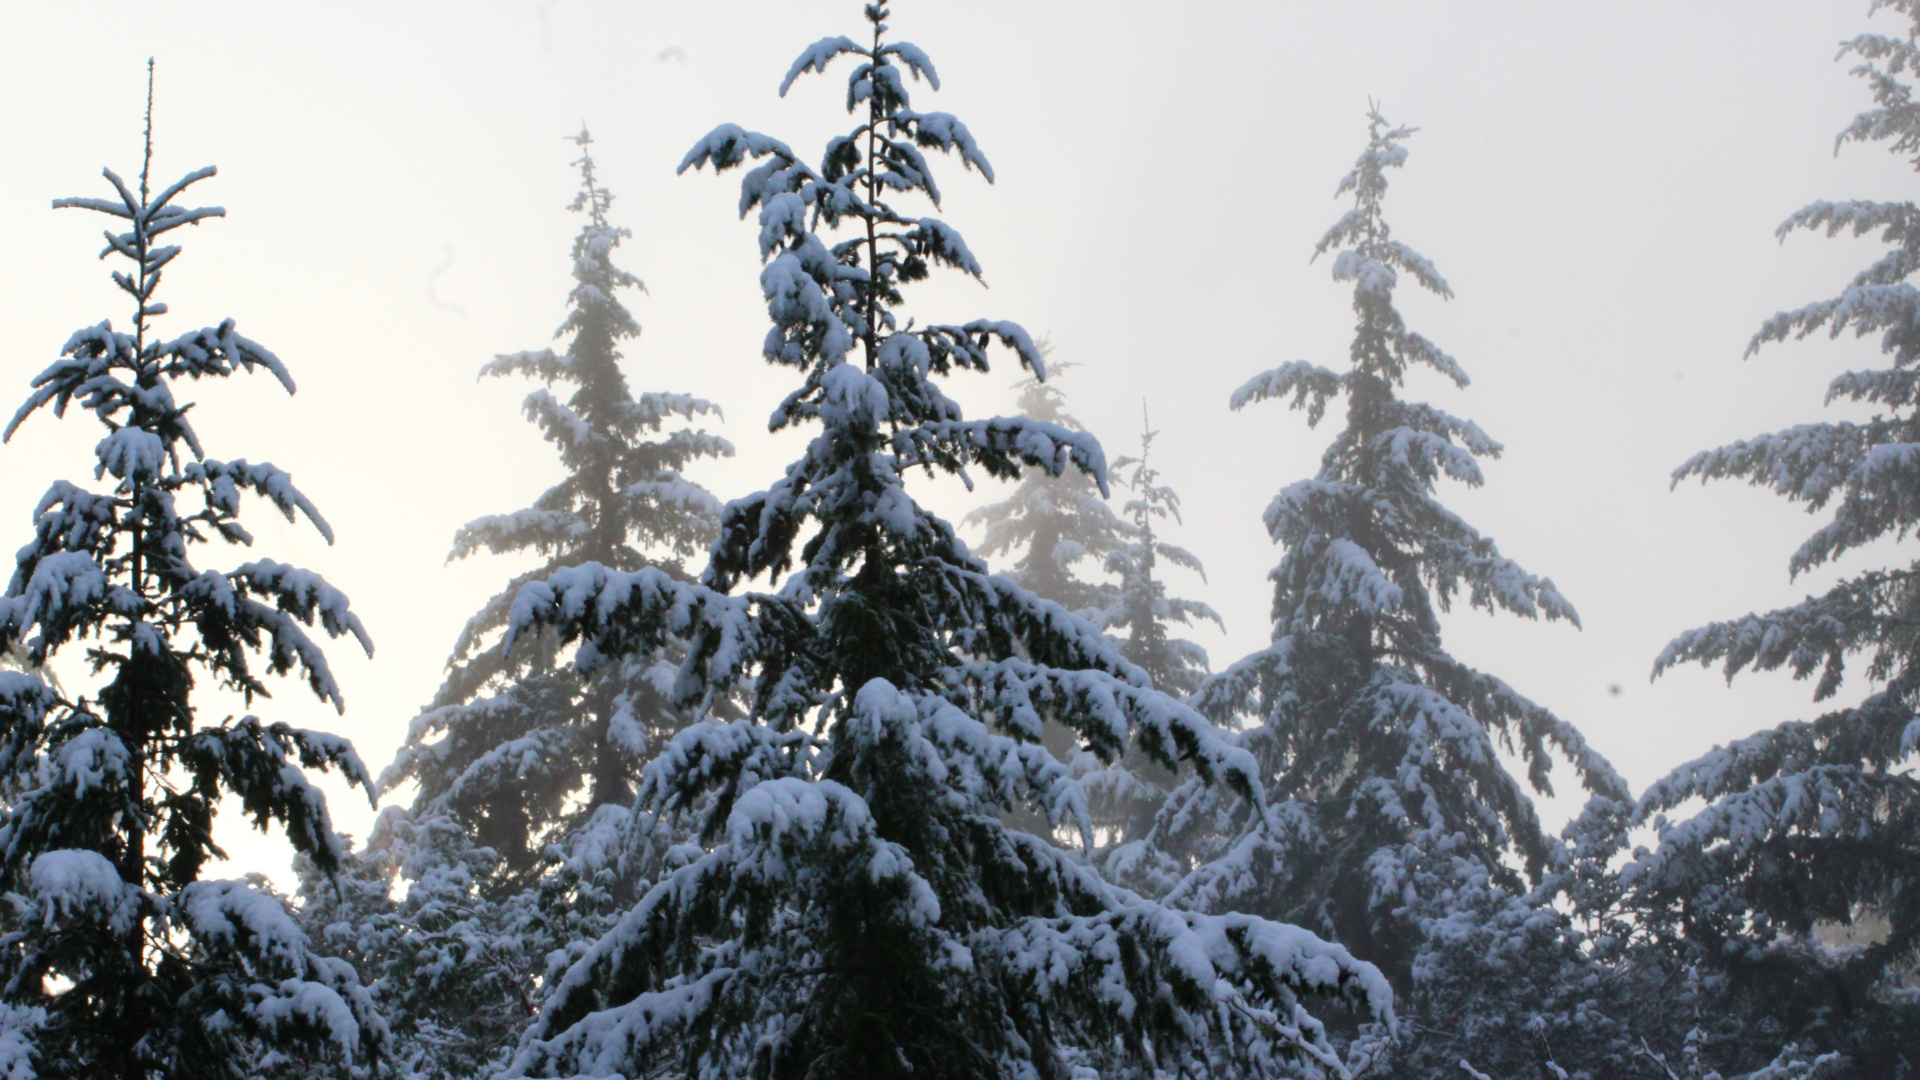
802, 785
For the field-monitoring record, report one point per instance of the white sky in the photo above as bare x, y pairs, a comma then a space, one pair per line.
1600, 183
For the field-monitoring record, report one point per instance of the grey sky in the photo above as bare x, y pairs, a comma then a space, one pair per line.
1600, 183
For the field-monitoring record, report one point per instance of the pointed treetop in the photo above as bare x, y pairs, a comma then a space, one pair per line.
146, 160
593, 198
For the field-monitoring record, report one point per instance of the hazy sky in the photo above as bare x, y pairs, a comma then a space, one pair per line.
1599, 182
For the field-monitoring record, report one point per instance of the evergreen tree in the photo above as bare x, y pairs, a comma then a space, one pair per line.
516, 846
857, 907
1053, 524
1125, 798
1816, 823
1379, 749
119, 959
1142, 606
1053, 521
518, 749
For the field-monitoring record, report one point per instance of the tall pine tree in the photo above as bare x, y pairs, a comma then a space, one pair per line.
1125, 798
517, 748
1054, 522
518, 844
118, 959
1380, 750
1818, 822
1141, 605
857, 907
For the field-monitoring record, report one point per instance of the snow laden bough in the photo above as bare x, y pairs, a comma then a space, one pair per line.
855, 905
116, 959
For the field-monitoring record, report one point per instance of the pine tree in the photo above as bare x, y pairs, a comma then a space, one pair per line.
119, 959
1817, 822
1142, 606
517, 845
1379, 749
1054, 521
1048, 529
857, 907
517, 749
1125, 798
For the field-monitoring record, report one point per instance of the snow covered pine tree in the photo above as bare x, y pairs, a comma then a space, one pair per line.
1125, 798
525, 771
1142, 606
518, 749
119, 960
1054, 520
1818, 821
1378, 749
857, 907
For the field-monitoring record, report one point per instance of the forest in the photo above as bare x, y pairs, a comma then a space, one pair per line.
910, 734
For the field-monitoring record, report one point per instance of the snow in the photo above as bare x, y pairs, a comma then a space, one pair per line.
304, 1004
817, 56
18, 1025
132, 452
60, 589
93, 759
82, 885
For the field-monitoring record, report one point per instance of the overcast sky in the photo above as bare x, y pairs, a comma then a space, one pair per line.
1599, 182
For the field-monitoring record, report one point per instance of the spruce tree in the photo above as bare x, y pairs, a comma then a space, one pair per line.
516, 748
1142, 607
455, 972
1126, 797
1045, 534
1054, 521
1815, 824
856, 907
518, 844
118, 958
1379, 749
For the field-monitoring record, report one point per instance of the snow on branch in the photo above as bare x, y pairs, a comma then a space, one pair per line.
818, 55
1311, 385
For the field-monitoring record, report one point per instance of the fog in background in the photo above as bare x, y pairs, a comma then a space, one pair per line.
1600, 183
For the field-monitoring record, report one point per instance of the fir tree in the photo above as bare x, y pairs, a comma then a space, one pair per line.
517, 749
1142, 607
1126, 797
513, 850
857, 907
1379, 749
119, 959
456, 972
1053, 521
1818, 822
1053, 524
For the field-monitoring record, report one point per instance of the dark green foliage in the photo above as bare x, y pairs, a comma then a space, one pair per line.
118, 959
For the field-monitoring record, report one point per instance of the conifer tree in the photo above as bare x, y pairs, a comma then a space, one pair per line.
1126, 797
518, 845
1142, 607
118, 959
856, 907
1379, 749
516, 748
1053, 521
1818, 822
456, 972
1052, 525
